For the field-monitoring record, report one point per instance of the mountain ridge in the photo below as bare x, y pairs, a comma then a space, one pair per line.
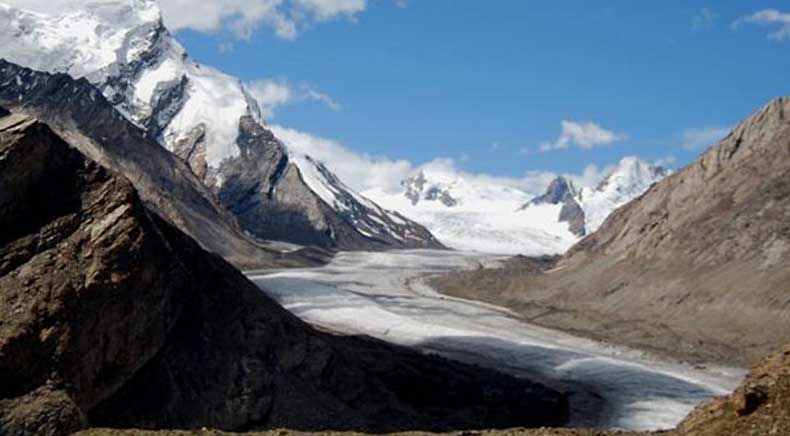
202, 115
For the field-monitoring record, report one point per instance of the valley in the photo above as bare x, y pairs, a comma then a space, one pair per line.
341, 230
385, 295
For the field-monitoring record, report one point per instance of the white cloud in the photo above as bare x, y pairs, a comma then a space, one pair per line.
328, 9
363, 172
591, 175
272, 94
767, 17
242, 17
698, 138
360, 171
585, 135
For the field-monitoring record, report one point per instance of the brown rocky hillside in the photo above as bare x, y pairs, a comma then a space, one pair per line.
696, 267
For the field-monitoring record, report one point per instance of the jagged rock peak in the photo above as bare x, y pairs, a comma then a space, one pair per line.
557, 192
418, 188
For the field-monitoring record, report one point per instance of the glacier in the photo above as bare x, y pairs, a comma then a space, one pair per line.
385, 295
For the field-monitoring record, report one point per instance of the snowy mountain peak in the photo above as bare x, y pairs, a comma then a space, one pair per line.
630, 179
557, 192
122, 47
88, 39
632, 172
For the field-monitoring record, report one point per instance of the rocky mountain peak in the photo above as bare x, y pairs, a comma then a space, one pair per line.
420, 187
558, 191
629, 179
631, 173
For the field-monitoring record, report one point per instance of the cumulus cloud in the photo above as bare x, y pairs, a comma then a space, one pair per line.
272, 94
360, 171
328, 9
242, 17
363, 172
699, 138
768, 17
585, 135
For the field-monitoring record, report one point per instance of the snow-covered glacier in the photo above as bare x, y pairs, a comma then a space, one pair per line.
485, 216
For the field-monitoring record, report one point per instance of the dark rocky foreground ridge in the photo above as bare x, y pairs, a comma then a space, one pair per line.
113, 317
760, 407
696, 267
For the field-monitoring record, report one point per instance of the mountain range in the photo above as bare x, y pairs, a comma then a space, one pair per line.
207, 119
210, 121
484, 215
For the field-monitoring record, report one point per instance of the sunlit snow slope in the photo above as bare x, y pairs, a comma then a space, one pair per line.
481, 215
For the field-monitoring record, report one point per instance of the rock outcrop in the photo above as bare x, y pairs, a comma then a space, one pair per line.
561, 191
278, 197
113, 317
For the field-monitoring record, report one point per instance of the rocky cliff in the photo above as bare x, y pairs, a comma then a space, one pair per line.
114, 317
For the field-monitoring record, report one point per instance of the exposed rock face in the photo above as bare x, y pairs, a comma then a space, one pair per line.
417, 188
203, 116
760, 406
115, 318
279, 197
561, 191
697, 266
83, 116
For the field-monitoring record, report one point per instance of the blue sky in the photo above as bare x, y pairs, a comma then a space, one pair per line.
488, 83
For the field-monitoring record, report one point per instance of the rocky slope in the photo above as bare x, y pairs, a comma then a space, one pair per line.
760, 407
113, 317
82, 116
205, 117
696, 267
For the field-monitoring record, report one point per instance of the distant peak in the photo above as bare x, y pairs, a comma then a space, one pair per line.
558, 191
632, 171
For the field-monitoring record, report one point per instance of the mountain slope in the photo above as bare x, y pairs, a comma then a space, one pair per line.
205, 117
113, 317
81, 115
696, 267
